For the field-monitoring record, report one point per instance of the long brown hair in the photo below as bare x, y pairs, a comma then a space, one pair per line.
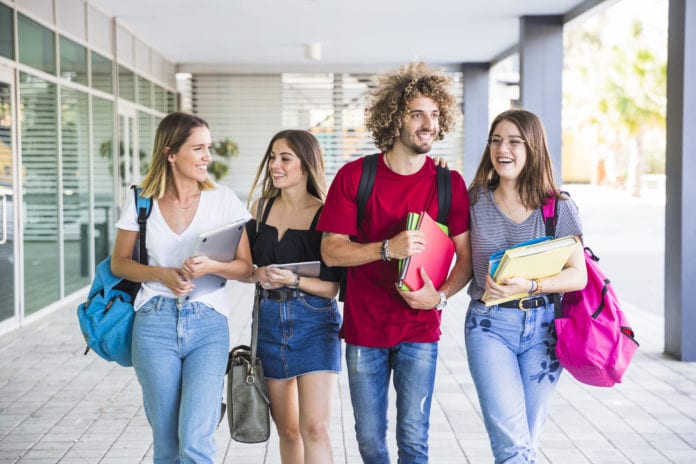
306, 146
536, 178
172, 132
395, 91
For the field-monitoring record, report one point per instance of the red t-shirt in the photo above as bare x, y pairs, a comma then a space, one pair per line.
375, 315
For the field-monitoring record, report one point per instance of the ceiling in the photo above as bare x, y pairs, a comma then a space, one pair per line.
265, 34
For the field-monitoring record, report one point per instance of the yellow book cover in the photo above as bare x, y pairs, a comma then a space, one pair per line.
536, 261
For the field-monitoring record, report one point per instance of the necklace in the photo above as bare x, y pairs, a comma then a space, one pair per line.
510, 211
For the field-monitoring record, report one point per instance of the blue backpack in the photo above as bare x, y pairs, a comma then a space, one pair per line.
106, 318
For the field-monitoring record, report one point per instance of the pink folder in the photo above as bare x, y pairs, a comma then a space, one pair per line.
436, 258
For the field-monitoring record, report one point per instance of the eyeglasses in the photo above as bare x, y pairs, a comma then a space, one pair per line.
512, 142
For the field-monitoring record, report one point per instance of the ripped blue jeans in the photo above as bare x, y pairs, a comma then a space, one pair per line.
369, 370
513, 363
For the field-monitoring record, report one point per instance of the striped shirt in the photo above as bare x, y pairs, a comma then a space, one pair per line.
493, 231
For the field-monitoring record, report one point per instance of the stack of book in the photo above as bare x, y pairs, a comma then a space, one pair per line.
436, 258
534, 259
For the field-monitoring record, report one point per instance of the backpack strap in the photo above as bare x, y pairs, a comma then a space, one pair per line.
549, 210
367, 182
444, 194
144, 208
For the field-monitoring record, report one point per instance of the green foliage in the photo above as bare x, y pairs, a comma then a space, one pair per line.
223, 151
615, 84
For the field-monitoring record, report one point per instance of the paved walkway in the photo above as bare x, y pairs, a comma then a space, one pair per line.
58, 406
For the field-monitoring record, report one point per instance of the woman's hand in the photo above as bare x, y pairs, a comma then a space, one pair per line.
280, 277
175, 281
442, 162
196, 266
506, 287
263, 276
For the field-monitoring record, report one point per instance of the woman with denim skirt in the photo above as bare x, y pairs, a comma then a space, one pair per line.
510, 346
299, 321
180, 346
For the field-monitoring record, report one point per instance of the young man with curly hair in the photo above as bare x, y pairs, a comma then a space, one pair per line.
389, 331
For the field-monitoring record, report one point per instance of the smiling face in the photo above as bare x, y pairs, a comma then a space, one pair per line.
508, 150
191, 160
285, 167
420, 126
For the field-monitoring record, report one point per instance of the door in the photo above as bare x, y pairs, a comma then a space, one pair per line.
8, 261
128, 159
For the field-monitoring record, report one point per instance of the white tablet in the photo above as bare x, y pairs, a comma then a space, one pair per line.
221, 245
304, 269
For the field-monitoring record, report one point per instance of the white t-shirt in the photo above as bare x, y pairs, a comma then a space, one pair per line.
168, 249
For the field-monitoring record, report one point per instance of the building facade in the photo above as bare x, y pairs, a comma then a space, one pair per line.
80, 98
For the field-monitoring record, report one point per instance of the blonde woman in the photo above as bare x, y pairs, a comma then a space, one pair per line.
180, 350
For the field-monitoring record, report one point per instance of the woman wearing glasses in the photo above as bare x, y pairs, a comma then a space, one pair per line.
510, 346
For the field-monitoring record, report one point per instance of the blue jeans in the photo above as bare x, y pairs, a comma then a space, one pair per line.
180, 356
513, 362
369, 370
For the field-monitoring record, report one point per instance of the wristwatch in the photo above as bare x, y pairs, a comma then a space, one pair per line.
443, 301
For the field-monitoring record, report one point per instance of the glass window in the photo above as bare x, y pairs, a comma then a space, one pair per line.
126, 84
36, 45
6, 32
39, 138
75, 140
103, 139
146, 140
73, 61
101, 73
171, 102
144, 92
160, 99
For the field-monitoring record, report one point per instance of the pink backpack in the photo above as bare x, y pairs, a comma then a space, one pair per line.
594, 341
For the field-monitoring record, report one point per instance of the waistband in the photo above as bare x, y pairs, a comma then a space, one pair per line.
282, 294
525, 304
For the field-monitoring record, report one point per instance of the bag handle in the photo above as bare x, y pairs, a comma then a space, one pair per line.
257, 292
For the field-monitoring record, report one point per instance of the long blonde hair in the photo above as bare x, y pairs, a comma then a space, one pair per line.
306, 146
172, 132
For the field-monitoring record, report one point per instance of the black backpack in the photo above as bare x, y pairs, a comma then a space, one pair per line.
367, 182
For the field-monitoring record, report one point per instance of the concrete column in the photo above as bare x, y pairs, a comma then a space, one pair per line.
541, 68
476, 117
680, 221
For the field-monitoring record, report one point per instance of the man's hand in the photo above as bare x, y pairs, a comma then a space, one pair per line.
424, 298
406, 243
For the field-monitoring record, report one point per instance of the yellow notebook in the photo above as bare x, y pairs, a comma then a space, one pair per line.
536, 261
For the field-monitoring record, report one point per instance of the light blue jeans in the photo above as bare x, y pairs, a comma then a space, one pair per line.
180, 357
513, 362
369, 370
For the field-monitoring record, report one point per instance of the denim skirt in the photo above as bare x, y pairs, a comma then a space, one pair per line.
298, 335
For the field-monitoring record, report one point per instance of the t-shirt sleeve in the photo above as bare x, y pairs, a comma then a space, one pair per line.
568, 219
129, 218
340, 213
458, 218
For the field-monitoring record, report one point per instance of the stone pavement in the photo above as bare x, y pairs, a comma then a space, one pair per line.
58, 406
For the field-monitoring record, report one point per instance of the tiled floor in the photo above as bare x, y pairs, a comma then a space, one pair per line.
58, 406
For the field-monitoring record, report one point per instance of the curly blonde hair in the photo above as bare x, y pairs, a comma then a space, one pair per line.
396, 90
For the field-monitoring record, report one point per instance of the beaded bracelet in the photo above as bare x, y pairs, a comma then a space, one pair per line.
296, 283
384, 251
539, 289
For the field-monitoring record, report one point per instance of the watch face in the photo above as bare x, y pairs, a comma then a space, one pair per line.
443, 301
